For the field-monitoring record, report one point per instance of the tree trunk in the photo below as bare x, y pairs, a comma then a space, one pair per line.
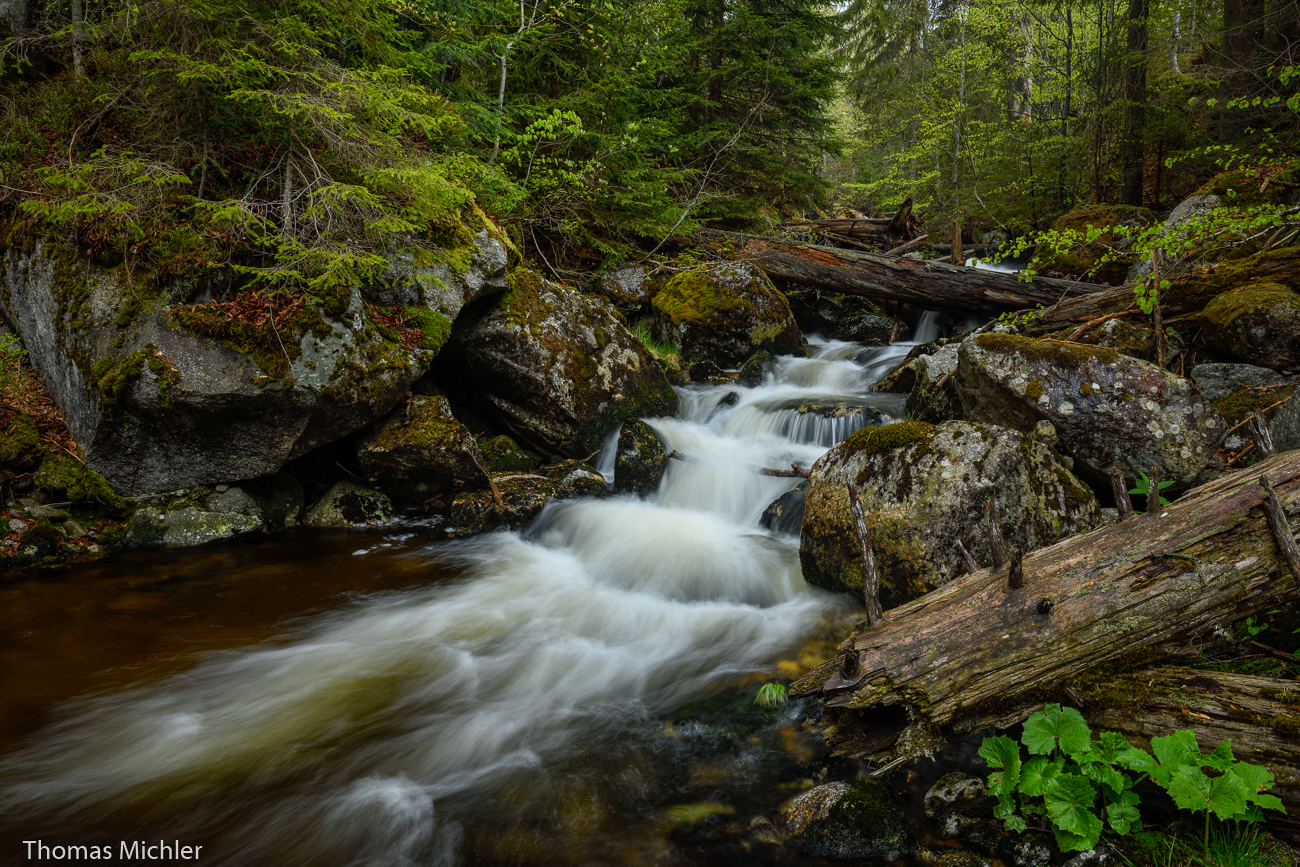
975, 653
78, 33
715, 57
1135, 100
935, 285
1260, 715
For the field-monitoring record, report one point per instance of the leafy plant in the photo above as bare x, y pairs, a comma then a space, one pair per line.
1074, 780
1142, 485
771, 695
660, 348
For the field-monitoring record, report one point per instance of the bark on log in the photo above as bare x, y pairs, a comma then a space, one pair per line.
975, 653
1260, 715
935, 285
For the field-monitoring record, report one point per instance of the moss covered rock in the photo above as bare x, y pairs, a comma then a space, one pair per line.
640, 459
1134, 338
194, 516
420, 451
923, 488
1192, 290
162, 395
445, 282
1259, 324
755, 368
504, 455
557, 368
934, 395
20, 443
1110, 411
1084, 260
847, 820
625, 286
350, 505
725, 314
523, 496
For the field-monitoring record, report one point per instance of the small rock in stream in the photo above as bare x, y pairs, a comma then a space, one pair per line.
640, 458
846, 820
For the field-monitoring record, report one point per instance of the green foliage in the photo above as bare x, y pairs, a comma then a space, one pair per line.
771, 695
1142, 486
659, 348
1083, 784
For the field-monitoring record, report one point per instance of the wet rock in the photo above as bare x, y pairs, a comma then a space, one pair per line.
842, 316
523, 496
785, 513
1031, 853
640, 459
280, 499
1215, 381
950, 858
194, 516
420, 451
958, 793
731, 398
162, 396
626, 287
755, 368
865, 328
1097, 857
825, 407
846, 820
725, 314
556, 368
923, 488
1134, 339
934, 395
1259, 324
705, 371
347, 504
1110, 411
1284, 429
504, 455
439, 286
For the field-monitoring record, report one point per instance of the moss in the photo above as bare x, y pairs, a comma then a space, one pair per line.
1057, 353
1085, 389
874, 440
1236, 407
62, 474
1241, 188
1285, 725
20, 443
1191, 291
1034, 389
1280, 695
693, 296
115, 379
1261, 299
1086, 259
504, 455
435, 327
425, 426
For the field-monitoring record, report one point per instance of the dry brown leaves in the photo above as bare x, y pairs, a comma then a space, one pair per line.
395, 321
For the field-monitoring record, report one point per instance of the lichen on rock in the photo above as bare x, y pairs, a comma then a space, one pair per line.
1258, 324
420, 451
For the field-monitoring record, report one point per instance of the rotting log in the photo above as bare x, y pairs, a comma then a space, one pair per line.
1260, 715
976, 653
934, 285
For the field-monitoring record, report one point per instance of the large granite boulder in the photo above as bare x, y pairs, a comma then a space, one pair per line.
724, 314
197, 516
557, 368
923, 489
421, 450
1110, 411
1258, 323
445, 282
162, 395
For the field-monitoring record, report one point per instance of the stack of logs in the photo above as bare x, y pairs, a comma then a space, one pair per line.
897, 234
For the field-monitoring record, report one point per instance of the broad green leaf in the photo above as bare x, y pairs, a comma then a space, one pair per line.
1221, 759
1137, 759
1070, 842
1225, 796
1016, 823
1123, 817
1112, 779
1268, 802
1108, 747
1173, 752
1003, 757
1069, 799
1055, 727
1257, 778
1037, 773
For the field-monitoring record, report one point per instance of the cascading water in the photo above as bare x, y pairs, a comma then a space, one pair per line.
529, 692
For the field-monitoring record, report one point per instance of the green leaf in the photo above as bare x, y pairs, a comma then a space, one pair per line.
1123, 817
1069, 799
1173, 752
1221, 759
1225, 796
1068, 842
1055, 727
1003, 757
1115, 781
1037, 773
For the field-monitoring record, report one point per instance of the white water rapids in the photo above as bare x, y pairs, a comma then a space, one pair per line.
376, 733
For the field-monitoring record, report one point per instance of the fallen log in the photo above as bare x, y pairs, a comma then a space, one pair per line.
1260, 715
934, 285
976, 653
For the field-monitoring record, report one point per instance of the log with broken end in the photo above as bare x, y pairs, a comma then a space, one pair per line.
934, 285
976, 652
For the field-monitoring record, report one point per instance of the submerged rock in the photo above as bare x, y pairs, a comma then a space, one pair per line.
755, 368
347, 504
1259, 324
640, 459
162, 396
1110, 411
846, 820
1216, 381
923, 489
725, 314
421, 451
785, 513
557, 368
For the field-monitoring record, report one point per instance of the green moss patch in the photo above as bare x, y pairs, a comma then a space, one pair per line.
434, 327
1090, 258
20, 443
693, 296
62, 474
1069, 356
874, 440
1262, 297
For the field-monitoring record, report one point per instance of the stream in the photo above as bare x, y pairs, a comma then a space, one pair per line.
581, 692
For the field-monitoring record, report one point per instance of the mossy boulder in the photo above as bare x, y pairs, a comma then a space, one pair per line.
445, 282
639, 460
20, 442
504, 455
724, 314
162, 395
420, 451
847, 820
1083, 260
626, 286
523, 496
1190, 291
1109, 410
934, 395
1258, 324
756, 368
1134, 338
556, 368
194, 516
71, 481
347, 504
923, 488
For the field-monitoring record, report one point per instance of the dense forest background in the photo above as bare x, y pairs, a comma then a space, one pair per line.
295, 141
